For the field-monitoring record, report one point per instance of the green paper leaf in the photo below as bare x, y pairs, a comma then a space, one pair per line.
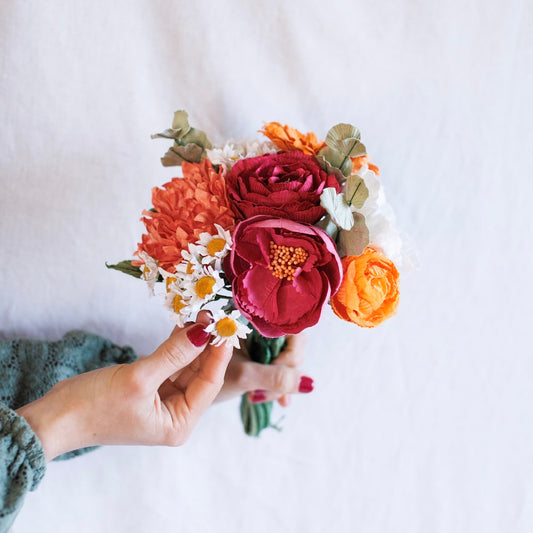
338, 135
354, 241
181, 121
197, 137
356, 191
177, 154
330, 169
337, 208
127, 268
326, 224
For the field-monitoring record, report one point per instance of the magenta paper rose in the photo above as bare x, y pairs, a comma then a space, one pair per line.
282, 273
286, 185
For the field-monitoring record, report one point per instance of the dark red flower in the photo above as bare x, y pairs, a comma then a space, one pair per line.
286, 185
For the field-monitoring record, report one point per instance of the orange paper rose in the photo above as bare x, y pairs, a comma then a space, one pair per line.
184, 208
288, 139
369, 291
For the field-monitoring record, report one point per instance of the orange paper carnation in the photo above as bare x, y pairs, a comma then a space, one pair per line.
369, 291
358, 162
184, 208
288, 139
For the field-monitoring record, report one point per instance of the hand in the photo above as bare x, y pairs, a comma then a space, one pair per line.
266, 383
135, 403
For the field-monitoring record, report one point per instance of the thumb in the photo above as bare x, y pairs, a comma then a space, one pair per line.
183, 346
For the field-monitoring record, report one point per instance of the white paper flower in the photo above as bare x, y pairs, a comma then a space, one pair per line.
213, 248
227, 328
191, 264
233, 151
179, 306
149, 271
203, 286
380, 219
171, 280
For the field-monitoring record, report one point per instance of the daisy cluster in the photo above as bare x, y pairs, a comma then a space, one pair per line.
197, 283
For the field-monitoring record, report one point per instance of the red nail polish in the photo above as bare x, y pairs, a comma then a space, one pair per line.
258, 396
197, 335
306, 384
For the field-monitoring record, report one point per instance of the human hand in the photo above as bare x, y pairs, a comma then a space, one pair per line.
135, 403
266, 383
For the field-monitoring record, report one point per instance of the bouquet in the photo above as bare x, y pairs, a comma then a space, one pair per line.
265, 235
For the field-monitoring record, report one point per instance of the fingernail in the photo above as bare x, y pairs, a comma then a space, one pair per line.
258, 396
197, 335
306, 384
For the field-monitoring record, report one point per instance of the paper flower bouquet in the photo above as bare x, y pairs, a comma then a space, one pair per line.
266, 234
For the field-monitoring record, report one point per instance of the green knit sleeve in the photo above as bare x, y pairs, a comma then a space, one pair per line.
22, 464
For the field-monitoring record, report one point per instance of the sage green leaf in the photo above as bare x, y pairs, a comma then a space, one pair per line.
337, 159
330, 169
127, 268
356, 191
326, 224
181, 121
337, 208
338, 134
197, 137
354, 241
167, 134
177, 154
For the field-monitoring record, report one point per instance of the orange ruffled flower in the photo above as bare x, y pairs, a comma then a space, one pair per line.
369, 291
288, 139
185, 207
358, 162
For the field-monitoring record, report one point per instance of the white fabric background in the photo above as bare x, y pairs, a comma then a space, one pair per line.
422, 425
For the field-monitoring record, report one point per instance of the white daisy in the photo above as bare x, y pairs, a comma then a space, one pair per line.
179, 307
149, 271
213, 248
191, 264
233, 151
228, 329
204, 286
172, 280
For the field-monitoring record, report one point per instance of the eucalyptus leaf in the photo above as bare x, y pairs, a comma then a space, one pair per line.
197, 137
356, 191
337, 160
326, 224
181, 121
330, 169
354, 241
338, 134
177, 154
127, 268
337, 208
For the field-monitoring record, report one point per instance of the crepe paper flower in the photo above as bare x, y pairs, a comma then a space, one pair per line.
234, 151
179, 306
227, 329
282, 273
213, 248
149, 271
369, 292
203, 286
285, 185
363, 161
185, 208
288, 139
171, 280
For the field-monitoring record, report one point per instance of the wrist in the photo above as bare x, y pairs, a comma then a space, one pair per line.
55, 423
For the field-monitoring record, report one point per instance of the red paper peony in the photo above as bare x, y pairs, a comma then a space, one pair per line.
287, 185
283, 273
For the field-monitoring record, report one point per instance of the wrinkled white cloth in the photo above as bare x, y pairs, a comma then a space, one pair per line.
420, 425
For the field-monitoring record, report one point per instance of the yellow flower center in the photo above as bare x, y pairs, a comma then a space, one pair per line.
285, 260
190, 268
215, 245
204, 286
146, 271
226, 327
178, 304
169, 281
